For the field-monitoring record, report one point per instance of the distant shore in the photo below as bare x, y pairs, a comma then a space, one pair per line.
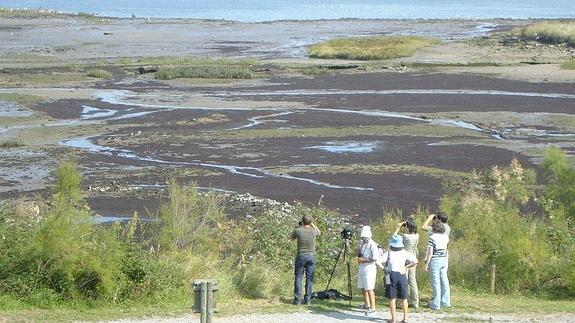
48, 13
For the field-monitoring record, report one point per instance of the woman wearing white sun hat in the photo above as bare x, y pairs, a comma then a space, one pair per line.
367, 258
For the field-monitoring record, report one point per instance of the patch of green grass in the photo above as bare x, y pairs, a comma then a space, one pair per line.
24, 99
376, 130
555, 32
206, 71
201, 68
50, 79
25, 58
370, 48
569, 65
307, 69
99, 73
367, 169
472, 302
315, 70
10, 144
174, 304
124, 61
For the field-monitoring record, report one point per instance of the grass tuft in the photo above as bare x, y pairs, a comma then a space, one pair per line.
170, 68
99, 73
370, 48
549, 32
206, 71
10, 144
569, 65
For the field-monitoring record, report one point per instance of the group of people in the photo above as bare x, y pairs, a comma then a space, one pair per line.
398, 263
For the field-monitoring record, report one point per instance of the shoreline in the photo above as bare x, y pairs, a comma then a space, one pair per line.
49, 13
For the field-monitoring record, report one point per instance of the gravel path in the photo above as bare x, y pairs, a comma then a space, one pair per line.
358, 316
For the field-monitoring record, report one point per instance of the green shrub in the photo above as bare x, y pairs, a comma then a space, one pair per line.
68, 183
370, 48
491, 229
256, 280
99, 73
560, 176
57, 255
187, 220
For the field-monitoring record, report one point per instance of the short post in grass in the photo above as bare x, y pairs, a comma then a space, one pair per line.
492, 279
204, 299
210, 299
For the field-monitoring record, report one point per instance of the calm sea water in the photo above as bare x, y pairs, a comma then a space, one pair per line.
267, 10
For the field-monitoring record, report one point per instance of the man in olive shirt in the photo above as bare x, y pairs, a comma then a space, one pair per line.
305, 234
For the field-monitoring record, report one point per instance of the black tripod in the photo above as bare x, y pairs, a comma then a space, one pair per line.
345, 250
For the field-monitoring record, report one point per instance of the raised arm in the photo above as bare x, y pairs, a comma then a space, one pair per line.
313, 226
425, 225
398, 227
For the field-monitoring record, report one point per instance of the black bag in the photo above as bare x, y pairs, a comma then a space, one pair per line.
330, 294
387, 271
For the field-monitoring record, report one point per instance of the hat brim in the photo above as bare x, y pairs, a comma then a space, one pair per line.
396, 244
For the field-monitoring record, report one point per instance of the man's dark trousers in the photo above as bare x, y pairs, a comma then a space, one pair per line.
307, 262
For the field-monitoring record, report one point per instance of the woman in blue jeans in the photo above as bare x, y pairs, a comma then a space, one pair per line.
436, 263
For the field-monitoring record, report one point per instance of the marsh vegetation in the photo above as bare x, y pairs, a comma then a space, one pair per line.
370, 48
555, 32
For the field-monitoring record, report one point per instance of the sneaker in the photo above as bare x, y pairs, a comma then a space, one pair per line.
363, 307
370, 312
296, 302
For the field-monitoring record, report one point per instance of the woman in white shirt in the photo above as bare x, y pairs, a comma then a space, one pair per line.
367, 258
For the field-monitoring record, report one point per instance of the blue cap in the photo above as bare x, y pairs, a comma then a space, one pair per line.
396, 241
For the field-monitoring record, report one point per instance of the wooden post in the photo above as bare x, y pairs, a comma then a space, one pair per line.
492, 279
204, 305
209, 301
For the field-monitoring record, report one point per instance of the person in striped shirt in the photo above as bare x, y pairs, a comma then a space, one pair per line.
436, 263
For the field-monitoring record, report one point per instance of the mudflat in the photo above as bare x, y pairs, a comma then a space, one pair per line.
357, 136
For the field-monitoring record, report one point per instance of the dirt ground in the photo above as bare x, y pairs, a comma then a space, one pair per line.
357, 316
